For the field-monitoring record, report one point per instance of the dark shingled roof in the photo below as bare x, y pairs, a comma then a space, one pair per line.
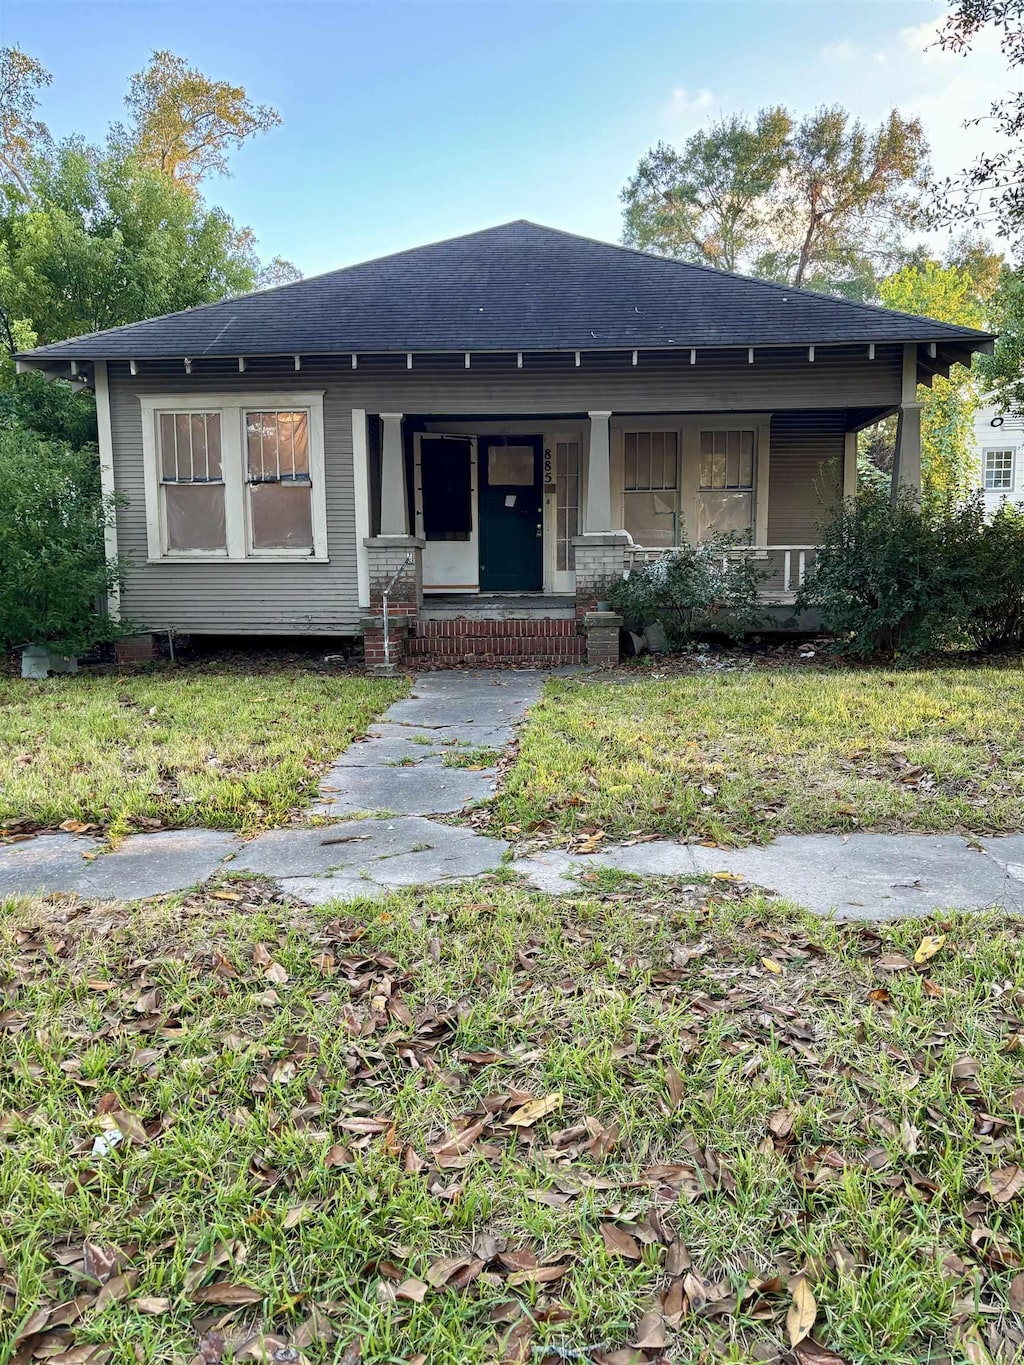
519, 287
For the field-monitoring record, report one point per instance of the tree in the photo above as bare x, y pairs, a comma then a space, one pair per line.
183, 123
991, 190
105, 240
956, 294
846, 195
1001, 375
824, 201
22, 136
53, 570
706, 203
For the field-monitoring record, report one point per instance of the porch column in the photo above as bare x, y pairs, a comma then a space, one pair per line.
394, 504
906, 465
599, 478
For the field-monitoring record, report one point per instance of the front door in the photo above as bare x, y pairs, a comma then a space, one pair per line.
510, 512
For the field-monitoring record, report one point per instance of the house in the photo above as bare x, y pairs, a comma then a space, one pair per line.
456, 448
999, 439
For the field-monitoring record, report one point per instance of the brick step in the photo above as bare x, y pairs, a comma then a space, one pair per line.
466, 627
426, 662
566, 647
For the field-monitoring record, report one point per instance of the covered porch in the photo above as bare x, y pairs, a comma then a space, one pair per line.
529, 519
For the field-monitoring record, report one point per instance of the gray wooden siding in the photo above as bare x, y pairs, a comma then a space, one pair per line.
276, 598
806, 482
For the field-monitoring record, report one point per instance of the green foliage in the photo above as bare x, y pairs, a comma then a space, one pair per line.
892, 579
997, 620
706, 203
818, 202
107, 241
957, 291
708, 587
53, 574
1001, 374
52, 409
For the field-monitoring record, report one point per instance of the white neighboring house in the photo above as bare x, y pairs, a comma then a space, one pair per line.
1000, 445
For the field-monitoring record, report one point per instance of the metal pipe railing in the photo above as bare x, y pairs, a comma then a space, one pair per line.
385, 598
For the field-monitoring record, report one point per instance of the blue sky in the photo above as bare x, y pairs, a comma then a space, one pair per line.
407, 122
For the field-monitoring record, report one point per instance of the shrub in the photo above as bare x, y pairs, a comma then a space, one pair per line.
706, 587
892, 579
53, 573
996, 620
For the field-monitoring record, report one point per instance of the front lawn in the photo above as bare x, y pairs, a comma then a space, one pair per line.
738, 756
484, 1125
228, 746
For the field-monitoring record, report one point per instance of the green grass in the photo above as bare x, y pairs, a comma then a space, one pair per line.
747, 755
239, 1043
230, 747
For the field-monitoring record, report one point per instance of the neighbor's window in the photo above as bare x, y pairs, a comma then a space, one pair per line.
277, 474
192, 482
725, 500
651, 487
999, 469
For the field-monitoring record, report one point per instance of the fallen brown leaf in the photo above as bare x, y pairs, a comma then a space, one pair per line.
802, 1311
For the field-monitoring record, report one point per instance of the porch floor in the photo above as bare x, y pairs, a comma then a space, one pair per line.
501, 606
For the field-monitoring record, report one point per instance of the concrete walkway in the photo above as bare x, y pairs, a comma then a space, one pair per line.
402, 773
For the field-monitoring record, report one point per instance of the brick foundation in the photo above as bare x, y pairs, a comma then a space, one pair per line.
135, 649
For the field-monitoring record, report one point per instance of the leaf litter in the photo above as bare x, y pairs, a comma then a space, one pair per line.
558, 1191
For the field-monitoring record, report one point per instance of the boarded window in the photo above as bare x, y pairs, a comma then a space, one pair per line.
725, 501
511, 466
277, 473
651, 486
445, 479
192, 481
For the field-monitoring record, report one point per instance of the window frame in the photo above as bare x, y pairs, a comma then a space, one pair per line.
999, 450
689, 426
233, 408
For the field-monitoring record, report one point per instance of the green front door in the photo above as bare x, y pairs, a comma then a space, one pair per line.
510, 511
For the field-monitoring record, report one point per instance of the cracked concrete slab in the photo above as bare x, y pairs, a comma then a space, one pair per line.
141, 866
367, 857
876, 876
400, 767
50, 862
857, 876
424, 790
146, 865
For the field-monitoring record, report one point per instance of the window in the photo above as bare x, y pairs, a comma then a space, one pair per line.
235, 477
511, 466
192, 483
651, 468
725, 499
567, 502
999, 469
277, 473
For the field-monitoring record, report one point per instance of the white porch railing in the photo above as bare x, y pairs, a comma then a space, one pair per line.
785, 566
